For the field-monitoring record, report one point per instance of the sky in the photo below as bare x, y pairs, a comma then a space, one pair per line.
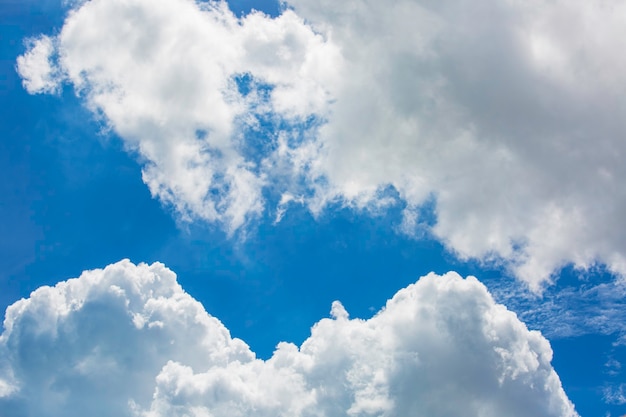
312, 208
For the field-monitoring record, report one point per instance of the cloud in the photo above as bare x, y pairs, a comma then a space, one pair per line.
563, 311
35, 66
615, 395
509, 115
89, 345
185, 84
128, 341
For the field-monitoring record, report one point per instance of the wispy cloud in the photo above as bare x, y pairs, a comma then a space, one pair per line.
615, 394
581, 307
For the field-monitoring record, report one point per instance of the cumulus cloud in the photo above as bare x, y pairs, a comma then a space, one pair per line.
89, 345
181, 82
508, 114
128, 341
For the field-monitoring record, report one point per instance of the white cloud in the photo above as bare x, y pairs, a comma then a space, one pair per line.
35, 67
509, 113
89, 345
128, 341
163, 76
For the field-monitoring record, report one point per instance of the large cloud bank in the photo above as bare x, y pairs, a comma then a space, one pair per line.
128, 341
509, 114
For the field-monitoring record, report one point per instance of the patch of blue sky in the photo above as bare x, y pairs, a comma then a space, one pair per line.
581, 363
243, 7
73, 198
302, 264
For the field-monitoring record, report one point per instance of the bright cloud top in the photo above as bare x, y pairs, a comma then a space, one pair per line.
509, 114
128, 341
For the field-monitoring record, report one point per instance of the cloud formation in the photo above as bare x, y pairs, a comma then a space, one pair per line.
508, 114
128, 341
185, 84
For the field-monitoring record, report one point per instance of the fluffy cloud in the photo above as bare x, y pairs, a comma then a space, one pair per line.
128, 341
182, 83
89, 345
509, 114
37, 65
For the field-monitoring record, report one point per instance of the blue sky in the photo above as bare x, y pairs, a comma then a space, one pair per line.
439, 153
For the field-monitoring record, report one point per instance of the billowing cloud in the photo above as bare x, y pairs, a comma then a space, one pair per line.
128, 341
508, 114
182, 83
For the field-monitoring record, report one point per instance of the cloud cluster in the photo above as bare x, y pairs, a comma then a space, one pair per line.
128, 341
185, 85
509, 114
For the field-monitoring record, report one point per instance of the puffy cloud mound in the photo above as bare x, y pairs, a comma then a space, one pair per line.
509, 114
128, 341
